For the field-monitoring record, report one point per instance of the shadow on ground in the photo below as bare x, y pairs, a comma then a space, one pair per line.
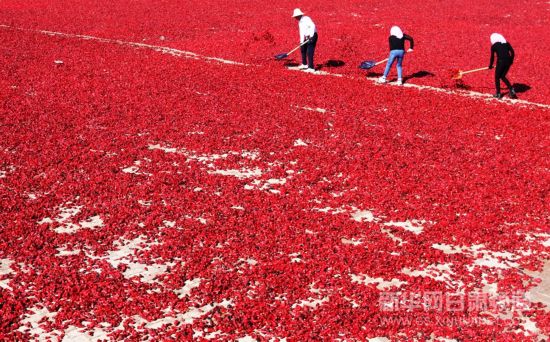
521, 88
331, 63
418, 74
291, 64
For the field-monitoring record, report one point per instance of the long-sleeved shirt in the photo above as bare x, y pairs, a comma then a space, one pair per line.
504, 51
307, 28
399, 43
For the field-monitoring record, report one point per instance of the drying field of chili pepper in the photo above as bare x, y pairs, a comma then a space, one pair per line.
163, 178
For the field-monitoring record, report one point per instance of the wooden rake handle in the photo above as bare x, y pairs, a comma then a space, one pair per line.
299, 46
473, 70
382, 61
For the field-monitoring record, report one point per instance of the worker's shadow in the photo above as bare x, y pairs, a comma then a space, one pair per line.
291, 64
521, 88
331, 63
374, 74
418, 74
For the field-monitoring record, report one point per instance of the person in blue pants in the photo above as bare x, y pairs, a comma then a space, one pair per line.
397, 53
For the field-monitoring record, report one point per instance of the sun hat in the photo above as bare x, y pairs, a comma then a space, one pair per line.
497, 38
297, 13
396, 31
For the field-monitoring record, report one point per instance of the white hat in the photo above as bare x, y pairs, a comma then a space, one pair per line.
396, 31
497, 38
297, 13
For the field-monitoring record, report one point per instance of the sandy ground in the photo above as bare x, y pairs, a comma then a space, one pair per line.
541, 293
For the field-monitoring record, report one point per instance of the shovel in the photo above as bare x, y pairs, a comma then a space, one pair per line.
371, 64
286, 54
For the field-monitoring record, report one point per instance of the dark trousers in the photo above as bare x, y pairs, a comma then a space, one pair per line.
308, 50
500, 74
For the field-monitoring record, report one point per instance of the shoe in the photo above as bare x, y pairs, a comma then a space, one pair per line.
382, 80
310, 70
512, 94
497, 96
399, 82
302, 67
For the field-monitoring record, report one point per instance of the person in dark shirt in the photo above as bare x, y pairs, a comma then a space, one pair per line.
505, 58
397, 52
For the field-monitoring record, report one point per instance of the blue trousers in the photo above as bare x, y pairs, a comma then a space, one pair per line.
395, 54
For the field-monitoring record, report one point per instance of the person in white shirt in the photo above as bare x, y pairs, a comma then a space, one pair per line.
308, 35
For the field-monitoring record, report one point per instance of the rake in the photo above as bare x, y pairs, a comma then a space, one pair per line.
457, 74
286, 54
371, 64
